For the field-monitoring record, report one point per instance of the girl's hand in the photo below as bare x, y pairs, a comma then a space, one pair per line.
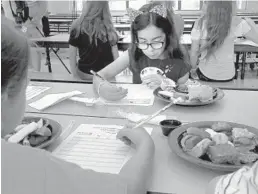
153, 81
109, 91
137, 137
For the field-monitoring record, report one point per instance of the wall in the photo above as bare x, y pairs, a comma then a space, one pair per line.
59, 7
252, 6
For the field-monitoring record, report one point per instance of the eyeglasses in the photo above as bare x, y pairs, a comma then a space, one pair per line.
145, 46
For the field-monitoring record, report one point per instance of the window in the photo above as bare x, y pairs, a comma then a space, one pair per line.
241, 4
137, 4
117, 5
190, 4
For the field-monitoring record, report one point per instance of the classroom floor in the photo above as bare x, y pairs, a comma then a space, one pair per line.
57, 67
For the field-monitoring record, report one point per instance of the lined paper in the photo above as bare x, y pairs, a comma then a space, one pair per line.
96, 147
138, 95
33, 91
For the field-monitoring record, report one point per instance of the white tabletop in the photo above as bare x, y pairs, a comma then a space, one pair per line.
171, 174
236, 106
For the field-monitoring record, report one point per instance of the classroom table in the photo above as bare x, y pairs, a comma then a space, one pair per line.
236, 106
170, 174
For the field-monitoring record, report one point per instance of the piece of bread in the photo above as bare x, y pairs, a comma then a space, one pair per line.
201, 148
247, 158
200, 92
220, 138
222, 154
189, 141
222, 127
198, 132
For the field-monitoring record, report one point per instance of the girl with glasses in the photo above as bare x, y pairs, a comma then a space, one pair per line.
154, 44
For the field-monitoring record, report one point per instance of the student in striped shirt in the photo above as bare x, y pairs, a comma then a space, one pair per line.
243, 181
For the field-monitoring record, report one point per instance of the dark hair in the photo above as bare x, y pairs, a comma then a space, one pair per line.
167, 26
14, 57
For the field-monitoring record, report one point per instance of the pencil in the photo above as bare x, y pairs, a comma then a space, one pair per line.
174, 101
96, 74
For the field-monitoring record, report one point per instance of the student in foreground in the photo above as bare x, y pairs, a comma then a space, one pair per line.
155, 43
31, 170
243, 181
213, 35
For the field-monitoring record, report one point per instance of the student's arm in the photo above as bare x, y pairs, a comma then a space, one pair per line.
104, 88
183, 79
252, 34
115, 52
194, 52
138, 169
116, 67
72, 59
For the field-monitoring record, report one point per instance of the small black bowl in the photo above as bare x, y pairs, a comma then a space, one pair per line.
169, 125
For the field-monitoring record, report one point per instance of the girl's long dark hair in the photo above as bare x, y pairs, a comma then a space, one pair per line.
173, 47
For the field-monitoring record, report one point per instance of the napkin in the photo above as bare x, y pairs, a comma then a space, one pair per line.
52, 99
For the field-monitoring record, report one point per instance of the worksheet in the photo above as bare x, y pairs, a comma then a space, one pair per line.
138, 95
96, 147
33, 91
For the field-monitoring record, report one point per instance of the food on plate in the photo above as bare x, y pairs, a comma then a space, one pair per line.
221, 126
226, 145
30, 134
198, 132
189, 141
222, 153
220, 138
247, 157
203, 93
167, 84
201, 148
190, 92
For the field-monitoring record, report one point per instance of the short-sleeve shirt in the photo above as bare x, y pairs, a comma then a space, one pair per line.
220, 64
91, 56
243, 181
172, 67
31, 170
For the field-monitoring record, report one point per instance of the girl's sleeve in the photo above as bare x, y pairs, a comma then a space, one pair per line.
196, 32
185, 68
242, 28
243, 181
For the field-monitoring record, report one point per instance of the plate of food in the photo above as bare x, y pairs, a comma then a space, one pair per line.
193, 94
35, 132
217, 145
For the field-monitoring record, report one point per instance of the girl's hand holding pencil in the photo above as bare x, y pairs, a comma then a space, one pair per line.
107, 90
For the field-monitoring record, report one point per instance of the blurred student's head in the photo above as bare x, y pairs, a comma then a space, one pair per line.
96, 22
15, 58
217, 18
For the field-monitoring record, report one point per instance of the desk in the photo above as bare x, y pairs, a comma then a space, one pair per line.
236, 106
170, 173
